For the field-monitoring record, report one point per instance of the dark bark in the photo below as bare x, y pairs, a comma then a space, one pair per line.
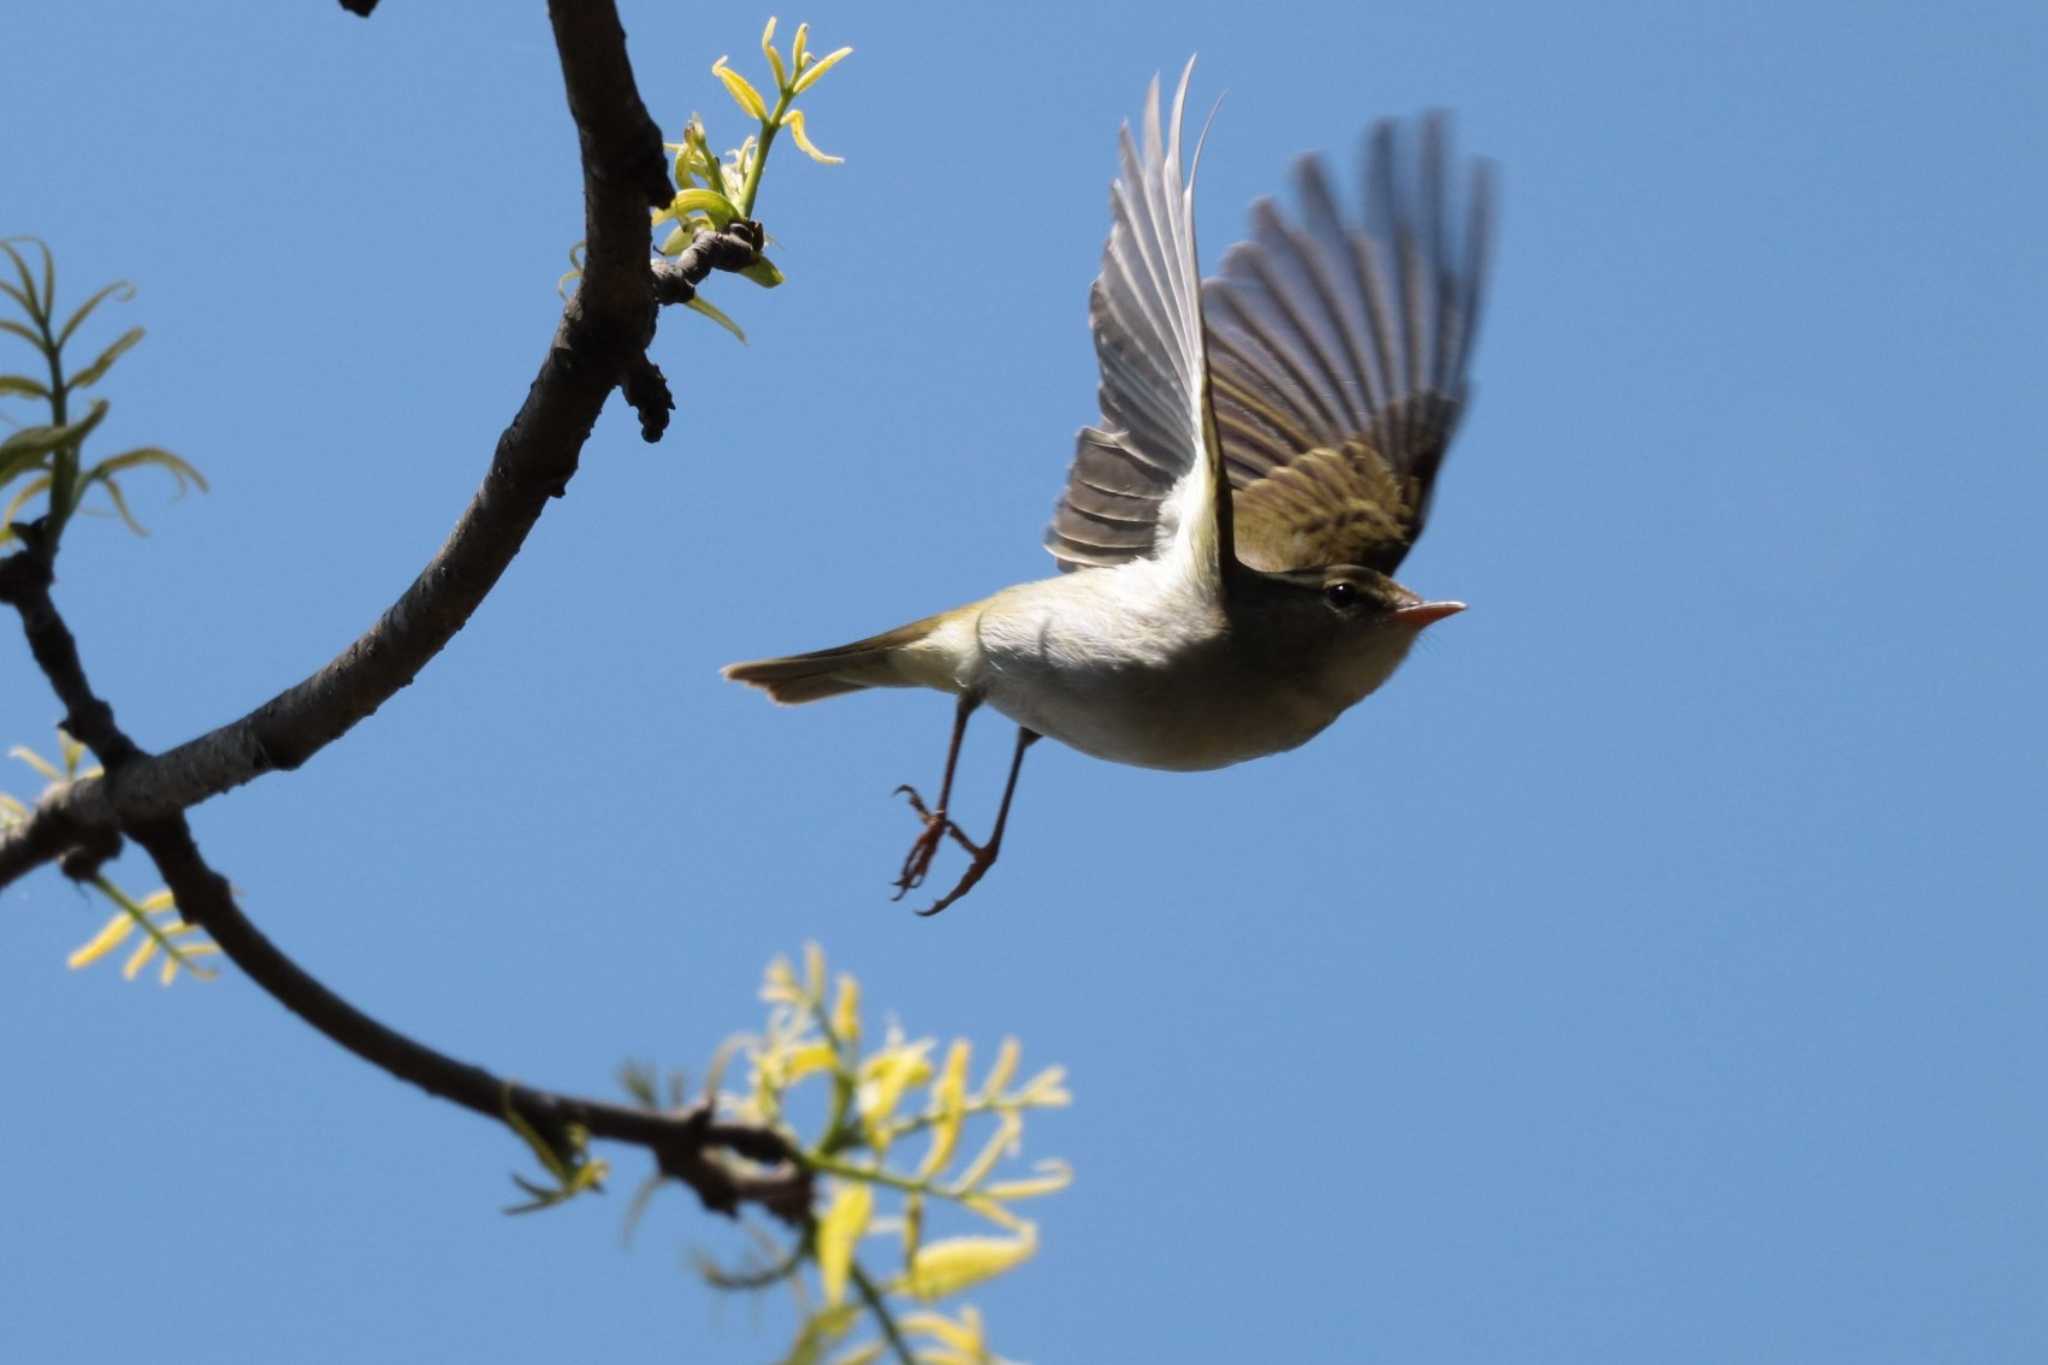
678, 1141
601, 344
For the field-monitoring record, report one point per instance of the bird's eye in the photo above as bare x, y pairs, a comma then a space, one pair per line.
1342, 596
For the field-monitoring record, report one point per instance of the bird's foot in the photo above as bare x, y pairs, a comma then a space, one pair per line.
982, 860
918, 862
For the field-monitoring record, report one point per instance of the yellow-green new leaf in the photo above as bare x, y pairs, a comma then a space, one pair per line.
710, 203
27, 446
846, 1013
821, 1330
965, 1336
994, 1212
999, 1075
794, 121
784, 1067
947, 1267
110, 937
1052, 1177
778, 983
15, 504
136, 914
1047, 1090
814, 973
37, 761
169, 971
763, 273
839, 1231
809, 77
103, 474
120, 501
181, 471
93, 373
21, 384
949, 1096
774, 57
885, 1076
138, 959
1009, 1127
37, 306
574, 272
120, 290
741, 90
709, 310
573, 1174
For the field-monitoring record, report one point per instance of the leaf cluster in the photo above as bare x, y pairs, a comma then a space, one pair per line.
46, 458
154, 916
714, 192
898, 1115
568, 1163
896, 1122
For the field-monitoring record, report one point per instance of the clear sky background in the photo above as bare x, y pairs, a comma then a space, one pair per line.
1653, 971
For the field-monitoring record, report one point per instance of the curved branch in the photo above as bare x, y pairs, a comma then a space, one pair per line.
601, 343
678, 1141
605, 328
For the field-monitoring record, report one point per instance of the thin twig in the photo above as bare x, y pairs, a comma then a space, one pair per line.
735, 248
872, 1296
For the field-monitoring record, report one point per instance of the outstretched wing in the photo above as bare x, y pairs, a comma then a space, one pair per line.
1337, 354
1149, 481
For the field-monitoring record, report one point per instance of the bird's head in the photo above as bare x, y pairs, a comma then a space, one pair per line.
1346, 626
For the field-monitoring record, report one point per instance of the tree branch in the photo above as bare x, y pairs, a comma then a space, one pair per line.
54, 831
736, 248
678, 1141
71, 818
601, 342
25, 579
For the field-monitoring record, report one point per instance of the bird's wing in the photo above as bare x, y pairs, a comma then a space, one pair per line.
1149, 481
1337, 353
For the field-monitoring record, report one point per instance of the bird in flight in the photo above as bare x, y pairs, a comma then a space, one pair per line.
1268, 442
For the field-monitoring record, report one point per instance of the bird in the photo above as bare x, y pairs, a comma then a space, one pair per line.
1226, 540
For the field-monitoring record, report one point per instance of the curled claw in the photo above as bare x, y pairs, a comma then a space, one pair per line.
983, 860
918, 862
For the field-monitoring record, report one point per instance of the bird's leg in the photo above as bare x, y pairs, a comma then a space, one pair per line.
918, 861
984, 856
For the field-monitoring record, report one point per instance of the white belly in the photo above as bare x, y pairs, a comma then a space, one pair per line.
1128, 664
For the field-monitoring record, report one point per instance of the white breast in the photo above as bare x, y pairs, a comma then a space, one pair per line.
1131, 664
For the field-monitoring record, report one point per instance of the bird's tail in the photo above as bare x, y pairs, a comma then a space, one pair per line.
830, 672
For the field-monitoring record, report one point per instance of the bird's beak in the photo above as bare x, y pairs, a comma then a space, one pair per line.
1426, 613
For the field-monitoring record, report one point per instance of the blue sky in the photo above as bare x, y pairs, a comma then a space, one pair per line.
1652, 971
